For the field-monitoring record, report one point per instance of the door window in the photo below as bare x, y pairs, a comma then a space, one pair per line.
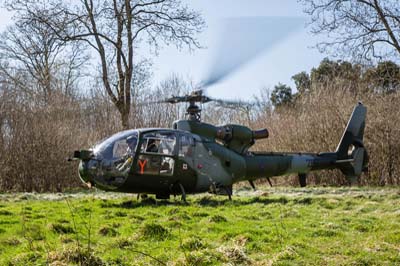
156, 150
161, 143
186, 144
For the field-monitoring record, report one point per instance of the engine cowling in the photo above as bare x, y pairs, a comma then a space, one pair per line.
240, 138
235, 137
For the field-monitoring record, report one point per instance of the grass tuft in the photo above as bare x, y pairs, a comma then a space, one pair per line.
136, 217
200, 214
75, 255
61, 228
193, 243
120, 214
12, 241
124, 242
218, 219
5, 213
235, 254
154, 231
324, 233
29, 258
33, 232
66, 239
198, 258
108, 231
209, 201
304, 201
127, 204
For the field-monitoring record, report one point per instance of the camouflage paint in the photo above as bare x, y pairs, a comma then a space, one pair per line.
220, 158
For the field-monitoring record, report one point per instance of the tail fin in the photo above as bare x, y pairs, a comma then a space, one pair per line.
352, 157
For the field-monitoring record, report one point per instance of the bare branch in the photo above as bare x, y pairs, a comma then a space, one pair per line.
357, 28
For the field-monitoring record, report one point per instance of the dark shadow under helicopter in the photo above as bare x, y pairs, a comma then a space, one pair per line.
207, 201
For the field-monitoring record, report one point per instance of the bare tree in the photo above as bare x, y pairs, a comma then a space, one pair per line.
361, 29
149, 113
33, 49
114, 29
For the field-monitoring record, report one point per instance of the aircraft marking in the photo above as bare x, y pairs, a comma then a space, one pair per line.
142, 164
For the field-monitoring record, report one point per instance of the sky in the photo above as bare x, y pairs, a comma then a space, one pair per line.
279, 63
288, 55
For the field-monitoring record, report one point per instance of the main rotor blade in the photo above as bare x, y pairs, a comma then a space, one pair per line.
243, 38
145, 103
232, 103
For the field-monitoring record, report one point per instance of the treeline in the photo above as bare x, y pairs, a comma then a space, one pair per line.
382, 78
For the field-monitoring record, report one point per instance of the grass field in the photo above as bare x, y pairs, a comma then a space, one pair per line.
278, 226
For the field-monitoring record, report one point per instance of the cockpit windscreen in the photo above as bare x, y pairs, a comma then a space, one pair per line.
117, 146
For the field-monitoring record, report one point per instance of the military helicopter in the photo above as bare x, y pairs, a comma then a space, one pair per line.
195, 157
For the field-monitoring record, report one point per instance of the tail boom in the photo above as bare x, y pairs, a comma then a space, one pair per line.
262, 165
350, 156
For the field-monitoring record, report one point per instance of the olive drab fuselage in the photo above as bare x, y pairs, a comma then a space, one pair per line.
199, 164
196, 157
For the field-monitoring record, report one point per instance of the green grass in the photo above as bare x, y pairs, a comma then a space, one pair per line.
279, 226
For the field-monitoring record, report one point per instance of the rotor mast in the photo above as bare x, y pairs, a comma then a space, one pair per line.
193, 112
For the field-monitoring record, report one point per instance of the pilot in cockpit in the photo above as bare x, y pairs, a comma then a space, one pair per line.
127, 160
132, 142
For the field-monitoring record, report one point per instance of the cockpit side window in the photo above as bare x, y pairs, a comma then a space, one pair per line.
120, 148
125, 147
158, 142
186, 144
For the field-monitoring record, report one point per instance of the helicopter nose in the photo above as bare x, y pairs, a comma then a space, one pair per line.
87, 172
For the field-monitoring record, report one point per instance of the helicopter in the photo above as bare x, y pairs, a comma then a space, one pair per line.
196, 157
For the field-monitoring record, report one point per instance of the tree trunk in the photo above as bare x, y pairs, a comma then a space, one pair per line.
124, 118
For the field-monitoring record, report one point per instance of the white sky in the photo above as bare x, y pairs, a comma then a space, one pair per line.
290, 56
